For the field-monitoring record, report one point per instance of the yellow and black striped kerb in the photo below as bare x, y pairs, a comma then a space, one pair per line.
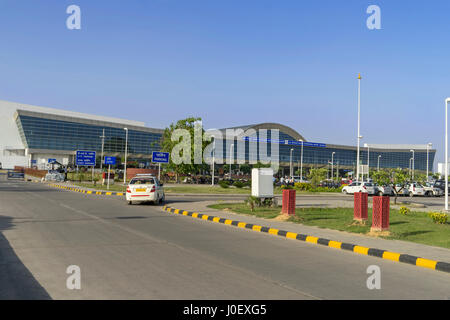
384, 254
104, 193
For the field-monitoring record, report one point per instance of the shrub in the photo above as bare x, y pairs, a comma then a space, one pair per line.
303, 186
404, 210
285, 186
224, 184
438, 217
238, 184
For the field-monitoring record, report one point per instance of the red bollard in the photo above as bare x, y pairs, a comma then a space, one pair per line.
380, 214
360, 211
288, 202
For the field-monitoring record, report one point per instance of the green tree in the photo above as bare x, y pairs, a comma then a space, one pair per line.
381, 177
167, 145
398, 177
317, 175
421, 178
246, 169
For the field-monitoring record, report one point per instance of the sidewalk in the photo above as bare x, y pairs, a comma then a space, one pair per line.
404, 247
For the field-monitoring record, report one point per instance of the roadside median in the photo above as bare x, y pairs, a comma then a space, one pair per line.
394, 250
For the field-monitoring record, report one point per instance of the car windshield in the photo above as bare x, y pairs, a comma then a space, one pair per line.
142, 181
368, 184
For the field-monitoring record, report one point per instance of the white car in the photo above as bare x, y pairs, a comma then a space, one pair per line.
383, 190
367, 187
143, 188
401, 190
416, 189
431, 190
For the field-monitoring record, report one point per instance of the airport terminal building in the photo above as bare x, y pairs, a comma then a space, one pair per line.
31, 135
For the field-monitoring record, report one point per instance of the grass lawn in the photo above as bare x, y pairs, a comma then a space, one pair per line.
415, 227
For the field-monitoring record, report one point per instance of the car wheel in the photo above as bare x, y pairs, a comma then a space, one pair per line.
411, 194
380, 194
344, 192
129, 202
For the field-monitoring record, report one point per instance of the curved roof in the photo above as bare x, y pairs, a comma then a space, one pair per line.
271, 125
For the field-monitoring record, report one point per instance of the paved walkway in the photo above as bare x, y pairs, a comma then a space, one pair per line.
405, 247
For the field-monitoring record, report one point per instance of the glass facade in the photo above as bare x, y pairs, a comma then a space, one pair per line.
42, 133
51, 134
345, 157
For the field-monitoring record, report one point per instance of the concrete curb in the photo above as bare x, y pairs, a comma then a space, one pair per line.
104, 193
384, 254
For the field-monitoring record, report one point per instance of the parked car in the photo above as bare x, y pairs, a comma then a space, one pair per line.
145, 187
416, 189
359, 186
401, 190
384, 190
432, 190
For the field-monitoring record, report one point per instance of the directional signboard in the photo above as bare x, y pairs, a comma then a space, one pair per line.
85, 158
110, 160
160, 157
51, 160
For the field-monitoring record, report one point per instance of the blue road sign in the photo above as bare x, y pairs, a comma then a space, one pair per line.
33, 161
160, 157
85, 158
110, 160
51, 160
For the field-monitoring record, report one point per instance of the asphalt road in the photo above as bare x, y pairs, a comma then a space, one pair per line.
141, 252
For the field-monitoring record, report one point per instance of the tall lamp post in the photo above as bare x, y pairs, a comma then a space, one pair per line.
359, 136
214, 160
103, 144
378, 164
412, 163
126, 154
446, 153
428, 151
332, 162
410, 171
301, 162
231, 156
290, 164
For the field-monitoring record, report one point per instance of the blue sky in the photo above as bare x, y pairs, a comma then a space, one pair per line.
237, 62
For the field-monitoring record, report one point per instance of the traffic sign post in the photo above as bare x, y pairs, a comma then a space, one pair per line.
160, 157
85, 158
109, 161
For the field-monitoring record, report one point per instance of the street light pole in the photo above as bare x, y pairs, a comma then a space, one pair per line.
428, 150
301, 163
332, 162
290, 164
103, 144
378, 164
410, 171
359, 136
412, 164
231, 156
126, 154
446, 153
214, 160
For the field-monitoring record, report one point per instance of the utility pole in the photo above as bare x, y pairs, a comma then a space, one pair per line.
359, 136
103, 144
